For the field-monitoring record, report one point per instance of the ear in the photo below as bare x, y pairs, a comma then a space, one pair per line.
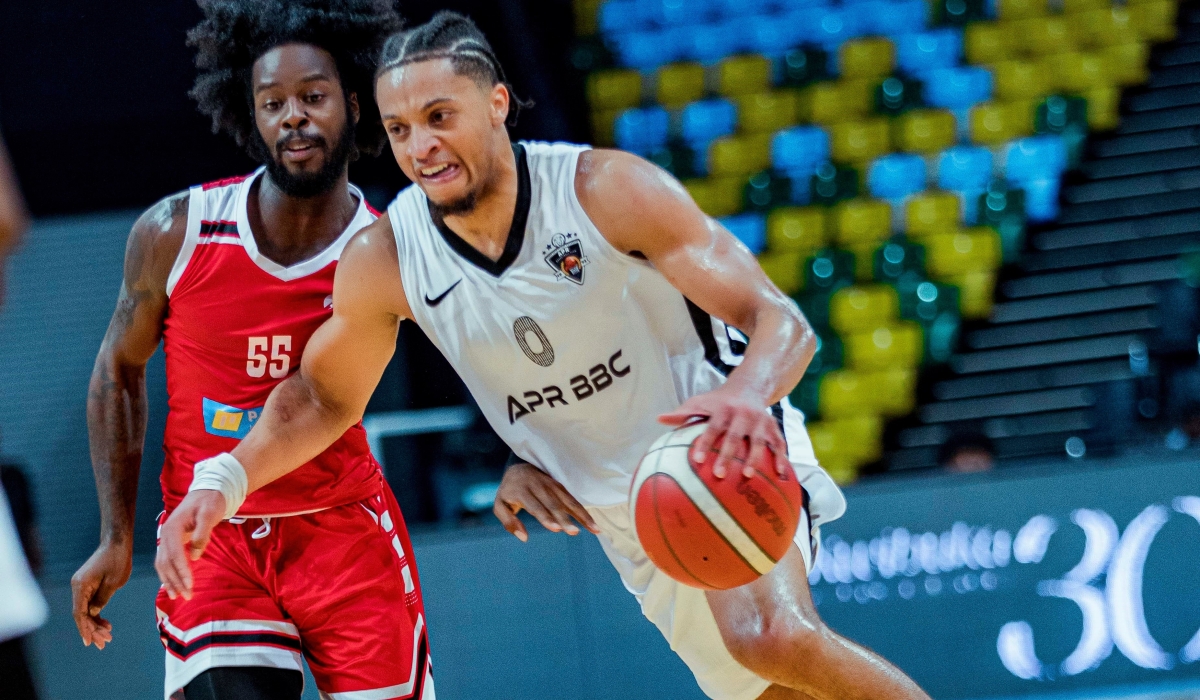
354, 110
499, 104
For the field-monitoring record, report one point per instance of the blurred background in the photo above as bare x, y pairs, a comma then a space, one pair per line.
988, 209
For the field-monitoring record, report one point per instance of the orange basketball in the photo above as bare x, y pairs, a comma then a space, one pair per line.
708, 532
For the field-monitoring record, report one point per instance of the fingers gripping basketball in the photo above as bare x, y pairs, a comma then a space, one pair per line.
708, 532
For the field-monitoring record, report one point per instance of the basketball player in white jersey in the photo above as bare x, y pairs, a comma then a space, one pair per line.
572, 291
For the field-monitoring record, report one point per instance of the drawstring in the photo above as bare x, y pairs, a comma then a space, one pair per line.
263, 530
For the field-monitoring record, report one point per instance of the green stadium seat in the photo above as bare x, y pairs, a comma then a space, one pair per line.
832, 184
898, 259
614, 89
802, 66
827, 270
743, 75
871, 57
897, 95
863, 307
924, 130
767, 190
679, 84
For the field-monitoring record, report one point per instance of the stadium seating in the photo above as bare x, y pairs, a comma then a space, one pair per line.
883, 158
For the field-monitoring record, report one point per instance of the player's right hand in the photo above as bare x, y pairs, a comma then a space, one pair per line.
524, 486
183, 538
93, 585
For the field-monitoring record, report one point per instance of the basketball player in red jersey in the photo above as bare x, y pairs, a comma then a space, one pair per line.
234, 277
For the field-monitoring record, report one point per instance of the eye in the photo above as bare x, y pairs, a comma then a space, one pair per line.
315, 97
439, 116
271, 105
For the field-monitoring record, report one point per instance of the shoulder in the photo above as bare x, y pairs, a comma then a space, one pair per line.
616, 179
376, 239
368, 273
157, 237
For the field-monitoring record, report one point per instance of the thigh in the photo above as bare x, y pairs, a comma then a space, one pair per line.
348, 580
781, 597
245, 684
232, 620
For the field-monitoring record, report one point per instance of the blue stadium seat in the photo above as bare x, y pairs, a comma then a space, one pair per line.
964, 168
896, 175
709, 43
620, 16
957, 88
1041, 199
734, 8
672, 12
705, 120
827, 26
925, 51
799, 150
749, 228
1035, 158
645, 50
766, 34
641, 131
893, 17
789, 5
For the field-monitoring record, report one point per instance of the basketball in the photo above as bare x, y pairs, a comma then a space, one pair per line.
707, 532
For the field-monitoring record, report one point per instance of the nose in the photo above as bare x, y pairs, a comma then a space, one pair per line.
421, 144
295, 116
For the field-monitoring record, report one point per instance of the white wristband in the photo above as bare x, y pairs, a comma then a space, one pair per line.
225, 474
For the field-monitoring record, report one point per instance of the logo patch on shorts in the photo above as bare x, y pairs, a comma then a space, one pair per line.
229, 421
566, 257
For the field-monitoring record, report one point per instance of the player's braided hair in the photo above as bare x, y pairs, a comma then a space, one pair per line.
235, 33
453, 36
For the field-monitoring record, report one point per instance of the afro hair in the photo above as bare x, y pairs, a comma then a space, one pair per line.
235, 33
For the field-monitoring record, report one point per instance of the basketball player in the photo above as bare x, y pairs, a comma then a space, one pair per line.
572, 290
234, 277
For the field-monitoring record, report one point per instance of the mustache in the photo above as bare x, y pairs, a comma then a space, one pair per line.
315, 139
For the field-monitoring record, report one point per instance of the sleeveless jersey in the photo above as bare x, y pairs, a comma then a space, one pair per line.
236, 326
571, 348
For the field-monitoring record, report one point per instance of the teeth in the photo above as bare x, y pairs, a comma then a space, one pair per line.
429, 172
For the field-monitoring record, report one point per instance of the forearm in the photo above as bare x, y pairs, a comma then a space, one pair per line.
116, 416
296, 426
781, 346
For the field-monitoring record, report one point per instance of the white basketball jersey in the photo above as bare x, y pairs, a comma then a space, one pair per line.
571, 348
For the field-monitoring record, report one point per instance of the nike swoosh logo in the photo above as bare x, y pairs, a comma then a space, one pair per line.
438, 299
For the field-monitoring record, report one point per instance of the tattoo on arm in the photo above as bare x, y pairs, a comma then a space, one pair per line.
117, 404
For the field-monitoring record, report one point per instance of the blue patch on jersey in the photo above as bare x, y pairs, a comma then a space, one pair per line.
229, 421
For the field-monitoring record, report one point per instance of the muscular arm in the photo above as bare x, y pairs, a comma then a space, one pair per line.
116, 406
639, 207
341, 365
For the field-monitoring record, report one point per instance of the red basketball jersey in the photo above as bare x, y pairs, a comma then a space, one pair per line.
236, 326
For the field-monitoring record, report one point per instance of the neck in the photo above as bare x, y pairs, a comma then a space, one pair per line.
291, 229
486, 226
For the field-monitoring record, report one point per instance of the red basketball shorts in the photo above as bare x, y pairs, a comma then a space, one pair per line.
338, 586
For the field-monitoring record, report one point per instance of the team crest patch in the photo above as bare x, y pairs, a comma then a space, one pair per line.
565, 256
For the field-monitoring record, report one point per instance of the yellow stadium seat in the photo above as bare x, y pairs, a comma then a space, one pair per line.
1020, 80
586, 16
859, 438
860, 221
1107, 27
1103, 104
1080, 6
951, 254
719, 196
1077, 72
872, 57
856, 142
977, 289
931, 212
829, 102
864, 259
785, 269
799, 229
900, 344
924, 130
997, 122
895, 390
989, 42
614, 89
863, 307
837, 458
1020, 9
602, 126
1040, 36
767, 111
679, 84
739, 155
843, 394
1154, 21
1127, 63
743, 75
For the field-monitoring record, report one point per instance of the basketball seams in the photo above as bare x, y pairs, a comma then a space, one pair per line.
662, 531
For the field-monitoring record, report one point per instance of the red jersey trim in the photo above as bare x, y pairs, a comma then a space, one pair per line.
225, 182
371, 209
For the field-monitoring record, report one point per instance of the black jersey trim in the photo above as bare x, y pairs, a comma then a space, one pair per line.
516, 234
704, 328
183, 651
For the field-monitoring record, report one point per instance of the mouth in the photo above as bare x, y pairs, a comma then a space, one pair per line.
437, 174
298, 150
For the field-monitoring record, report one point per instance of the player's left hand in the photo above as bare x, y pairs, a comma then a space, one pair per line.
748, 427
183, 538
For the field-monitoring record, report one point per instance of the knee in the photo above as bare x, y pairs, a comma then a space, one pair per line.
781, 650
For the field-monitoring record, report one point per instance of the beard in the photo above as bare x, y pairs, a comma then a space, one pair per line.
457, 207
305, 185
